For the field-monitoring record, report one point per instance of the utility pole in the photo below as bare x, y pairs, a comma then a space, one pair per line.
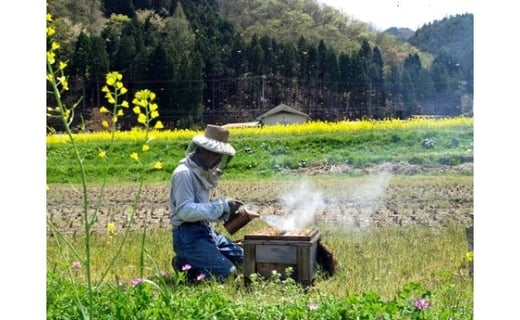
262, 98
370, 108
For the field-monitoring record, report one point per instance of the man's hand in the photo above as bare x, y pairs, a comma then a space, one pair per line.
234, 205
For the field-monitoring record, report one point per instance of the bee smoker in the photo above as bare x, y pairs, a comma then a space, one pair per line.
238, 220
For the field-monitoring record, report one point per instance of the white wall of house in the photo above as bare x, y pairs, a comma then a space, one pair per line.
284, 118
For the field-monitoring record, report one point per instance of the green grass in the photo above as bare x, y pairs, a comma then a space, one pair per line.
380, 260
264, 156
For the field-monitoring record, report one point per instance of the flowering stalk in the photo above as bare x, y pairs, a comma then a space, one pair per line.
147, 111
143, 100
58, 82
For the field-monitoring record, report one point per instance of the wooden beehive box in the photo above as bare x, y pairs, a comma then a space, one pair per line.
271, 250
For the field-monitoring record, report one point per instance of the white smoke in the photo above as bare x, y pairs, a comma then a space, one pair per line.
370, 193
364, 200
300, 204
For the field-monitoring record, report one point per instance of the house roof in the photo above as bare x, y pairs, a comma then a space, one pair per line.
282, 108
242, 124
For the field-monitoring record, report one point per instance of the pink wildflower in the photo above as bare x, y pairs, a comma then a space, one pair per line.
186, 267
201, 276
163, 273
422, 304
313, 306
76, 265
136, 281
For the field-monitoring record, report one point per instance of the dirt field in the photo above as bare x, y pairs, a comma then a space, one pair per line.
380, 196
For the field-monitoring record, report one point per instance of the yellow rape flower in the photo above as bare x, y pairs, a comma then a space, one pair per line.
102, 154
51, 57
139, 102
146, 147
103, 110
136, 110
50, 31
158, 125
64, 82
112, 77
111, 228
141, 118
109, 95
104, 123
134, 156
124, 103
158, 165
154, 114
469, 256
120, 113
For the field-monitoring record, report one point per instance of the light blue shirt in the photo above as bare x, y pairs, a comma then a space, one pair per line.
189, 200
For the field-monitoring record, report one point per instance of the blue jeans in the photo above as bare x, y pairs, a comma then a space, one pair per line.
207, 251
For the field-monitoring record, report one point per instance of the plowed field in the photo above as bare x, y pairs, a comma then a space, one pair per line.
386, 194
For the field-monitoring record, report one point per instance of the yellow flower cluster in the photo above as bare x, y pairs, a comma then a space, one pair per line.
56, 76
313, 127
146, 109
111, 231
113, 89
136, 134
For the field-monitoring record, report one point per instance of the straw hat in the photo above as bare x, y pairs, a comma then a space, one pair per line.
215, 139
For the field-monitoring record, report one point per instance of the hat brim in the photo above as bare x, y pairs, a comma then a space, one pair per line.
214, 145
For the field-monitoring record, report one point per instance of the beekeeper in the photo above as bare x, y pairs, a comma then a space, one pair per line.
197, 245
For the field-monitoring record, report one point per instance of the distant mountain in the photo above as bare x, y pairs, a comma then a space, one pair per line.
288, 20
403, 34
452, 36
449, 40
